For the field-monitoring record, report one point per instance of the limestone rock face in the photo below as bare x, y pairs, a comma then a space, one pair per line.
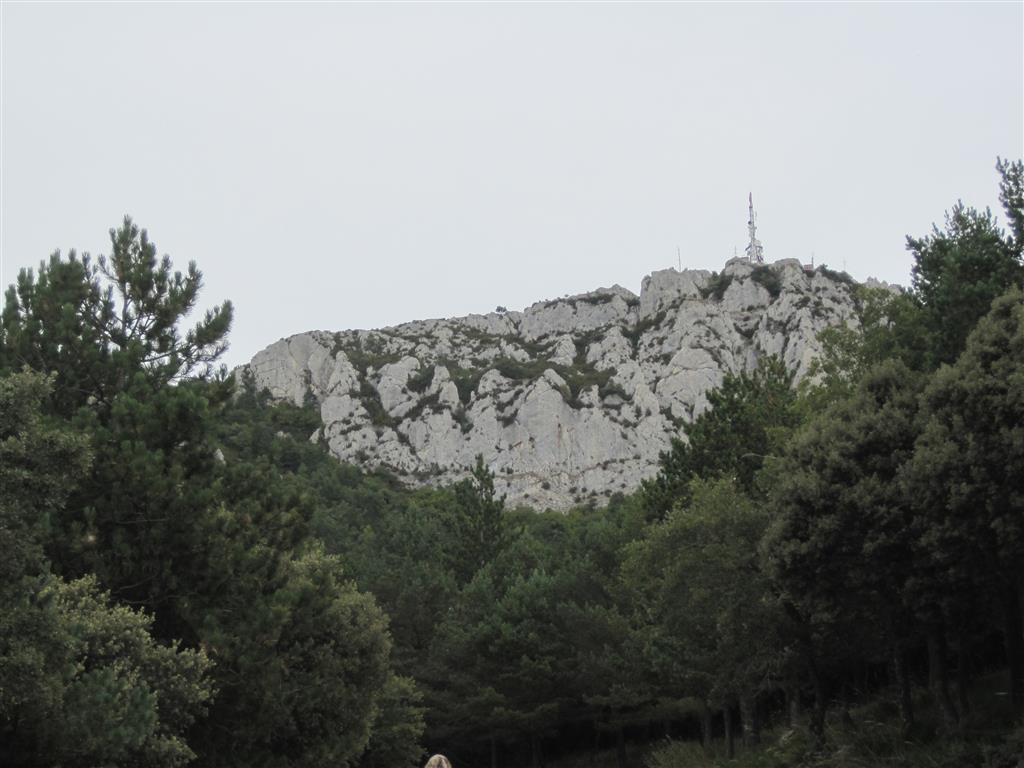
568, 401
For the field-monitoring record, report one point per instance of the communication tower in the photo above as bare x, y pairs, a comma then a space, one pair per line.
755, 252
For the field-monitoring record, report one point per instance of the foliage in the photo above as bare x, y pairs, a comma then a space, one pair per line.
397, 727
643, 326
419, 381
99, 324
961, 268
716, 624
110, 694
890, 326
840, 543
300, 665
768, 279
731, 438
716, 286
366, 351
478, 524
578, 378
965, 473
82, 682
216, 550
836, 277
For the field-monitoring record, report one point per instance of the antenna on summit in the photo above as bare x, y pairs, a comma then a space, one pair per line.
679, 258
755, 252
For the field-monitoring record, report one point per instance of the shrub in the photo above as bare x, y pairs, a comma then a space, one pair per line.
430, 402
638, 330
769, 279
420, 380
370, 398
364, 356
466, 380
836, 277
679, 754
462, 419
716, 286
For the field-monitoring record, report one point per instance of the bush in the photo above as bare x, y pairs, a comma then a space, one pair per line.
679, 754
638, 330
716, 286
836, 277
365, 355
420, 380
462, 419
370, 398
466, 380
769, 279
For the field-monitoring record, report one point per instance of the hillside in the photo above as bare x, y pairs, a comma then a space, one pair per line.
569, 400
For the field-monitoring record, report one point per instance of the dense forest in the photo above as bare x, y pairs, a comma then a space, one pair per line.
827, 573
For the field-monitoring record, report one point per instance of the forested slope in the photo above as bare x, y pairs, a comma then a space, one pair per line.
827, 573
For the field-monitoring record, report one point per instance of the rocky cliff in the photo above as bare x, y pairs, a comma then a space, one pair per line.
569, 400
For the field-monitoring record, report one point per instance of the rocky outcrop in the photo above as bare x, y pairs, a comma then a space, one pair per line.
568, 401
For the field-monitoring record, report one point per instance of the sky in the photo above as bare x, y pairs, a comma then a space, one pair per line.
332, 166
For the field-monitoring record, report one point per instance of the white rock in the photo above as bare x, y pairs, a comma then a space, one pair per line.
564, 352
650, 364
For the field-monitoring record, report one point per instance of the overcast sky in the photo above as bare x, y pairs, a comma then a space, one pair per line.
352, 166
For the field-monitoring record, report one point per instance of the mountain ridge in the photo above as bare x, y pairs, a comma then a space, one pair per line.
569, 400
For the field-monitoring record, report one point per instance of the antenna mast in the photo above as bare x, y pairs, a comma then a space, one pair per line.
755, 252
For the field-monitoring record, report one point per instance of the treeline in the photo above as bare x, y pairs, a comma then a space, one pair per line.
161, 605
188, 579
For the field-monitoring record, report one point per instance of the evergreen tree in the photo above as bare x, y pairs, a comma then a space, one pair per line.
716, 625
477, 520
99, 324
960, 269
397, 727
841, 545
82, 682
966, 470
217, 551
730, 439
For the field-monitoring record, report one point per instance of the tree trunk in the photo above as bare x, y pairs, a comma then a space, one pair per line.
963, 674
535, 751
494, 753
844, 704
906, 701
1014, 649
793, 706
730, 737
938, 677
817, 723
705, 728
751, 726
620, 747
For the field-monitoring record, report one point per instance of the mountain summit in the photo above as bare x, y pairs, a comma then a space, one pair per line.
567, 401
